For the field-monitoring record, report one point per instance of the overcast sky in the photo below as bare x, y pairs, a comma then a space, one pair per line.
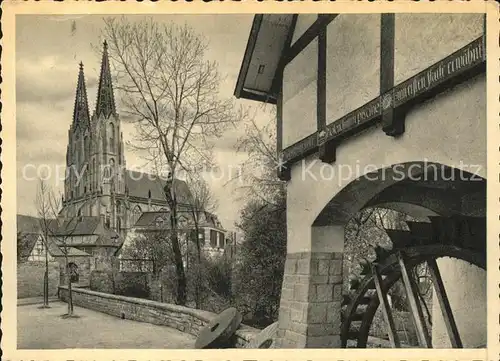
48, 51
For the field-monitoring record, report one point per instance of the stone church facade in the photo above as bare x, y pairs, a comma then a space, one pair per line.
99, 188
98, 183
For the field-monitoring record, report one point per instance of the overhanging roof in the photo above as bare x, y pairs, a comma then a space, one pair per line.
263, 53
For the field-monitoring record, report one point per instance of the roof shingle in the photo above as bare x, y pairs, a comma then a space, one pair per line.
139, 185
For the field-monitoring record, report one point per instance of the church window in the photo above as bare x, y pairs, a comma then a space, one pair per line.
111, 137
104, 144
136, 213
149, 193
111, 167
119, 223
87, 147
119, 153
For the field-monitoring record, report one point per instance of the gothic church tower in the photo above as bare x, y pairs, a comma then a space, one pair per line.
95, 181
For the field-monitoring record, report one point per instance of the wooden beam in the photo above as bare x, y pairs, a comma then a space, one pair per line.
416, 309
321, 81
327, 149
258, 97
387, 29
277, 83
401, 97
279, 123
392, 122
252, 40
444, 304
386, 310
309, 35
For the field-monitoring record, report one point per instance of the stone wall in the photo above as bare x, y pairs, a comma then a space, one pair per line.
30, 279
309, 313
179, 317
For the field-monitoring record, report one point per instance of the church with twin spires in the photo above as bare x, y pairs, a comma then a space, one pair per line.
99, 190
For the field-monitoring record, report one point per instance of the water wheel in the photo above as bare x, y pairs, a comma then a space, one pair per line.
462, 238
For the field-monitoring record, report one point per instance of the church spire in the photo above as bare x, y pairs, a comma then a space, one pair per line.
105, 103
81, 111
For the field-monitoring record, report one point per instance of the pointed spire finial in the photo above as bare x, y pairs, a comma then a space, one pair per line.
105, 103
81, 112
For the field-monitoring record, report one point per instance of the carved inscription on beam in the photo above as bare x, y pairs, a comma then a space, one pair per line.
458, 67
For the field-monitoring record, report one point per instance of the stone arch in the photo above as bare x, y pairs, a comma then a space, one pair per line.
431, 185
418, 188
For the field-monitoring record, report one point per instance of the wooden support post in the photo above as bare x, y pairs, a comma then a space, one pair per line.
444, 304
416, 309
389, 320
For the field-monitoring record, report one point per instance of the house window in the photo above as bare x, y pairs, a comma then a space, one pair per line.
213, 238
222, 240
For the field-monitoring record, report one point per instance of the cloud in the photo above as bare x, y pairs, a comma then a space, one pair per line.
46, 80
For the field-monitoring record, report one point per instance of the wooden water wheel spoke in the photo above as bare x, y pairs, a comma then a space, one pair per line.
411, 249
386, 310
444, 304
415, 306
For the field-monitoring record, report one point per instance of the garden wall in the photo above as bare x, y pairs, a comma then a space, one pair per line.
181, 318
30, 279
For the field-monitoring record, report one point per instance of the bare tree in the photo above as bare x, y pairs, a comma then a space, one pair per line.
261, 166
171, 93
57, 230
201, 205
43, 208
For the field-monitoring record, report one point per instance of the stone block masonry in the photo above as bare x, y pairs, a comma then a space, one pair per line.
179, 317
310, 304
